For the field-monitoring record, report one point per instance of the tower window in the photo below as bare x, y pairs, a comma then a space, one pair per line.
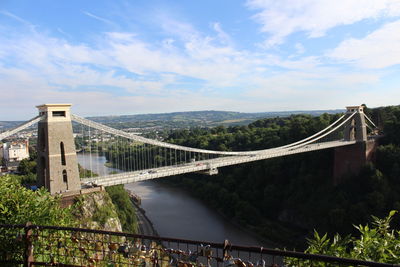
62, 150
58, 113
65, 177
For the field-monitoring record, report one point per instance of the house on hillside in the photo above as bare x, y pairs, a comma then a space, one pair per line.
12, 153
15, 151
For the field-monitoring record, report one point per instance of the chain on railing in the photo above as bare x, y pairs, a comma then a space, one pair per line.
32, 245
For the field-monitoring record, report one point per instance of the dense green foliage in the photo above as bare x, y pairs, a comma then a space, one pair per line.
297, 191
103, 214
125, 210
19, 205
27, 166
246, 193
377, 243
284, 199
27, 172
265, 133
278, 198
27, 169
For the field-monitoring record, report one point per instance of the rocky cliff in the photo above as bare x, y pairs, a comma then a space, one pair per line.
96, 211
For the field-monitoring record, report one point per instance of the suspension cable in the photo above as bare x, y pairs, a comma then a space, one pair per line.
316, 139
20, 127
370, 120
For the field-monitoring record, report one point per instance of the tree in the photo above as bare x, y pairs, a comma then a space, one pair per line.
27, 166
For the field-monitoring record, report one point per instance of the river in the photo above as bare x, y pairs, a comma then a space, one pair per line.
175, 213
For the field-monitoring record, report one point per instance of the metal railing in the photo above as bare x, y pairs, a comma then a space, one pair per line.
35, 245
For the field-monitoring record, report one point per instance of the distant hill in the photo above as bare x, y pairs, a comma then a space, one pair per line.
8, 124
207, 118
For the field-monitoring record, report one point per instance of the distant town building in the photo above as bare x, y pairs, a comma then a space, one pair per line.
15, 151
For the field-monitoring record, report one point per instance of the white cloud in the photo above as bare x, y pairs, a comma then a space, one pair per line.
55, 67
149, 76
24, 90
98, 18
315, 17
208, 58
15, 17
321, 88
64, 33
299, 48
198, 58
379, 49
183, 30
222, 35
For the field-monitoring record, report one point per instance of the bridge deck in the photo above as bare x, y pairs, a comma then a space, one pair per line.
204, 165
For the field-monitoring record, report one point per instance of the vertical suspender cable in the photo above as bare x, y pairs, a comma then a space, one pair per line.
144, 157
130, 156
98, 154
170, 157
124, 157
116, 153
165, 159
175, 158
134, 155
83, 149
90, 153
141, 157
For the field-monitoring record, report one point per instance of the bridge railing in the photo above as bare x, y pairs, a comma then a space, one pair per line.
34, 245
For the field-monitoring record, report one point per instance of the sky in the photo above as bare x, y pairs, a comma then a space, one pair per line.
152, 56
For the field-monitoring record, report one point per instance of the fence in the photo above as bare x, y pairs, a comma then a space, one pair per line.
35, 245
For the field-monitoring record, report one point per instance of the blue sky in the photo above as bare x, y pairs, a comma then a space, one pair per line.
148, 56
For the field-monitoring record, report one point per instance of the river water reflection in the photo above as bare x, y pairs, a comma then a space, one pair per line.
177, 214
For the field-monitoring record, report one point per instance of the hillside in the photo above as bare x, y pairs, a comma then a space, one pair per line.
208, 118
8, 124
285, 203
284, 199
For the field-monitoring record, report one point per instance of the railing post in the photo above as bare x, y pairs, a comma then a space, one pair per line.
226, 249
28, 255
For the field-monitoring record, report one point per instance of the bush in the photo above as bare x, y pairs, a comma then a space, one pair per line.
19, 205
378, 243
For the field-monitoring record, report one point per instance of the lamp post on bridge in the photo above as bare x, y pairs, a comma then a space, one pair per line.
57, 164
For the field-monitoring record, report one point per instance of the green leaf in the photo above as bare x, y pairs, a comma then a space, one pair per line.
392, 213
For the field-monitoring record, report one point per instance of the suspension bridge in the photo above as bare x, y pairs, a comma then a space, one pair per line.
138, 158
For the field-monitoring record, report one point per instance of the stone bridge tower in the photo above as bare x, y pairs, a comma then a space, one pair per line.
57, 166
350, 159
356, 129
